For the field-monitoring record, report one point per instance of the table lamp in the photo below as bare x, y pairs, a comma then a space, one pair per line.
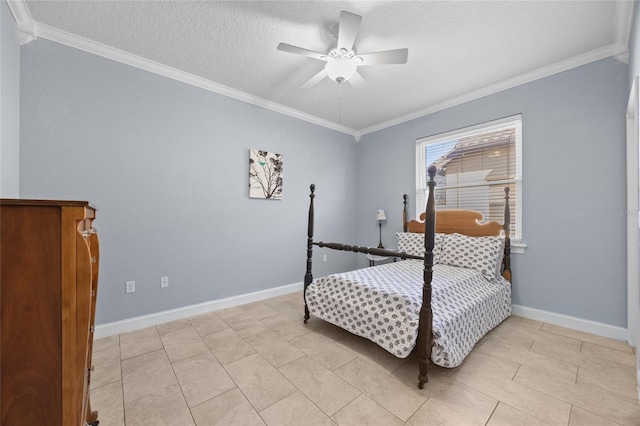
380, 217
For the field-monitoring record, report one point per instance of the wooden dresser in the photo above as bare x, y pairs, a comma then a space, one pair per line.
49, 257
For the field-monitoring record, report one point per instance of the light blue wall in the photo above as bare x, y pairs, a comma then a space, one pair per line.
9, 104
573, 173
167, 166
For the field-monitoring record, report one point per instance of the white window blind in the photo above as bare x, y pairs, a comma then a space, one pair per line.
474, 165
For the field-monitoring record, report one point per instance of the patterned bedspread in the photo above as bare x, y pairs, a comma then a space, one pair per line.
382, 303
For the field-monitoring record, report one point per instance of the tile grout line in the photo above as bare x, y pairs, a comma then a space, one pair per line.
516, 373
245, 396
595, 414
124, 412
184, 397
584, 341
474, 389
493, 411
530, 346
572, 404
527, 387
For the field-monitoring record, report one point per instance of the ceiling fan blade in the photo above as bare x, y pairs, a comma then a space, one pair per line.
398, 56
315, 79
348, 30
357, 81
284, 47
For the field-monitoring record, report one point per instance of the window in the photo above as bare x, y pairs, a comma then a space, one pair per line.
475, 164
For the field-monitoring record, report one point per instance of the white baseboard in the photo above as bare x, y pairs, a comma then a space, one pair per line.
638, 383
137, 323
588, 326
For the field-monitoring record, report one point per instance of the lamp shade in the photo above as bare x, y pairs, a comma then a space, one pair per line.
380, 215
340, 69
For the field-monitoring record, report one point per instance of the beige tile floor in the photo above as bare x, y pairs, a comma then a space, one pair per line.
259, 364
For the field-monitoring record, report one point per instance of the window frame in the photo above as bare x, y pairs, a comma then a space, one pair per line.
421, 166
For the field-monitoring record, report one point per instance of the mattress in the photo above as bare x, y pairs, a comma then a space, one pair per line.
382, 303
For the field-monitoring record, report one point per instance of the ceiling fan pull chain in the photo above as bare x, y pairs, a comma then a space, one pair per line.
340, 103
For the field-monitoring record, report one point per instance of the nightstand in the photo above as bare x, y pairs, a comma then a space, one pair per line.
373, 259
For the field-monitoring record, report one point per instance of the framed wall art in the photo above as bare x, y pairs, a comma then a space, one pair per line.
265, 175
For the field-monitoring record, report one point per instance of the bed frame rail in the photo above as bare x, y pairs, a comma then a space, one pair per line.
368, 250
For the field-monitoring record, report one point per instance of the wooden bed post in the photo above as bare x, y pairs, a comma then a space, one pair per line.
426, 314
307, 276
404, 213
506, 273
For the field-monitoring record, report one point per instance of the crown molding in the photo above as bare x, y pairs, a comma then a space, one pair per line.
28, 30
20, 11
90, 46
576, 61
25, 25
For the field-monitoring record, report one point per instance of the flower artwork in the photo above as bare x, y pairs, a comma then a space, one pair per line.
265, 175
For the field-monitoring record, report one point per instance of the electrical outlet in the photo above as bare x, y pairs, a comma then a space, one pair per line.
324, 257
164, 282
131, 287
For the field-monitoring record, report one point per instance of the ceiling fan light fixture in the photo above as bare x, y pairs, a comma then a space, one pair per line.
340, 69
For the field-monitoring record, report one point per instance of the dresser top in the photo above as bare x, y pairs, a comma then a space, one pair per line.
56, 203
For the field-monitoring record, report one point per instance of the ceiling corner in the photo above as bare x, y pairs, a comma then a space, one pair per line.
621, 53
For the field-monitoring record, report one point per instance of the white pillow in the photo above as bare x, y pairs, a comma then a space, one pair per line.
413, 243
484, 254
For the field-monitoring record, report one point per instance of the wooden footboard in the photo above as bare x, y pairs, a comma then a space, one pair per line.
465, 222
426, 314
308, 276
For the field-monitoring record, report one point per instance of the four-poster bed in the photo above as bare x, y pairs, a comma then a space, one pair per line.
392, 304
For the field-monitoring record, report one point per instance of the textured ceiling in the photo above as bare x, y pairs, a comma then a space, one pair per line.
455, 47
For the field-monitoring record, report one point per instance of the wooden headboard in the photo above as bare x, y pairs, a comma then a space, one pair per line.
467, 222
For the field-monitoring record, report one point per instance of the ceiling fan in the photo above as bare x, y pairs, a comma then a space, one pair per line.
342, 61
